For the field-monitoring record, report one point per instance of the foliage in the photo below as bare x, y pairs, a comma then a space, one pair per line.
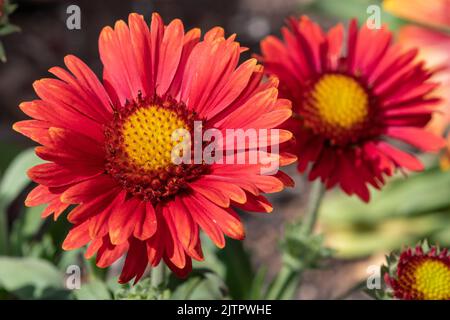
404, 212
6, 27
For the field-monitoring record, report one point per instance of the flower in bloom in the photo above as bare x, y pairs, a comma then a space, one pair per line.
420, 274
350, 103
434, 42
108, 144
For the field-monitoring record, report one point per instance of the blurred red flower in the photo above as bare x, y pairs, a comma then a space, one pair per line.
349, 103
433, 39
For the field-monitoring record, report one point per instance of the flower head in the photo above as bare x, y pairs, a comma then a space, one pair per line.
110, 145
420, 274
432, 37
349, 106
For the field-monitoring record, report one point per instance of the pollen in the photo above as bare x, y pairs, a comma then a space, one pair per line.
141, 142
340, 100
432, 280
336, 106
150, 135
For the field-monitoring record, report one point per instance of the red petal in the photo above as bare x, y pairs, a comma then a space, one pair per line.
147, 225
135, 263
88, 190
400, 158
201, 217
77, 237
123, 220
169, 55
417, 137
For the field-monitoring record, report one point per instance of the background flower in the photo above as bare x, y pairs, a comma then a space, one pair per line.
431, 33
348, 107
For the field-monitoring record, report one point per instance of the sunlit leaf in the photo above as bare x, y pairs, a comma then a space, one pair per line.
30, 278
93, 290
15, 178
201, 284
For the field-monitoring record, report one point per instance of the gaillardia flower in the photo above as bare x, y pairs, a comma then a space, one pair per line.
433, 39
350, 103
420, 274
109, 145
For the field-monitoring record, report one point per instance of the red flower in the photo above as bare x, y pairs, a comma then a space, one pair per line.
109, 145
421, 275
434, 43
349, 106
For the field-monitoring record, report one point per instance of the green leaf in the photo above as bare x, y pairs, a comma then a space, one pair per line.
70, 257
8, 29
418, 194
257, 288
13, 182
30, 278
10, 8
406, 210
285, 284
302, 250
202, 284
9, 151
25, 227
239, 272
2, 53
93, 290
15, 178
143, 290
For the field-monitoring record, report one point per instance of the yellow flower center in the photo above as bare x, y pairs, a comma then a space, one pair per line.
340, 100
147, 135
432, 280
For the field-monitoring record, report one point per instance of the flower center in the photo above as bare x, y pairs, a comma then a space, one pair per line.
340, 101
139, 148
147, 134
432, 280
336, 106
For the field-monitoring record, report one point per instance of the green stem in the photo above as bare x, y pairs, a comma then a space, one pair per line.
284, 285
4, 233
158, 275
312, 212
286, 281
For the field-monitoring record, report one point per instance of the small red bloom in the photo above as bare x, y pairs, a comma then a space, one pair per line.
108, 145
349, 103
421, 275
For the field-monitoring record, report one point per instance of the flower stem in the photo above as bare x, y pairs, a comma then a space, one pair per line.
312, 212
158, 275
284, 285
287, 280
3, 231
